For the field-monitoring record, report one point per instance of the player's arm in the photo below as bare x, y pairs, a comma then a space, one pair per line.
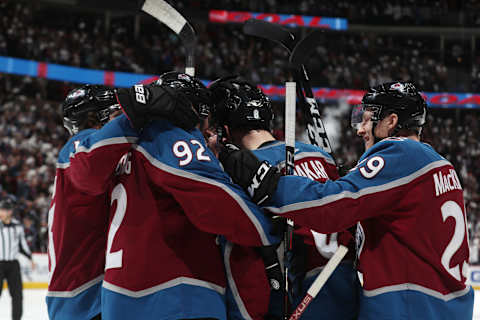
96, 156
371, 189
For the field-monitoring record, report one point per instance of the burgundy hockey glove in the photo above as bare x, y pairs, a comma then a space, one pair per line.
144, 103
258, 179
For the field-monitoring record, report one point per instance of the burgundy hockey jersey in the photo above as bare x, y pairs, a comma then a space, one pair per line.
78, 222
169, 198
412, 239
247, 292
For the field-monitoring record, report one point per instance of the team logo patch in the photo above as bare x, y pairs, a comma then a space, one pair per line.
77, 93
183, 76
254, 103
274, 284
398, 87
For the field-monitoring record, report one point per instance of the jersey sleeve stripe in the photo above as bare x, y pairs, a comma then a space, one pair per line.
106, 142
416, 287
163, 286
232, 284
77, 291
99, 144
355, 195
302, 155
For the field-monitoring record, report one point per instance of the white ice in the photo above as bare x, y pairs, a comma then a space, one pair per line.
34, 307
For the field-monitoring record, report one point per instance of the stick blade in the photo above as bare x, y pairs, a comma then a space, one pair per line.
304, 48
168, 15
165, 13
270, 31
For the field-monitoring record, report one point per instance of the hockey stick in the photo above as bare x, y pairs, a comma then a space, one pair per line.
316, 132
299, 52
315, 128
270, 31
290, 119
165, 13
321, 279
282, 36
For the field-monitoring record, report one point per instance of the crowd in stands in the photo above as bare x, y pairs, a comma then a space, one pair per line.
31, 135
31, 132
342, 60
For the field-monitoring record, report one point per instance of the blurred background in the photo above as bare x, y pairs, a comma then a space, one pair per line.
47, 47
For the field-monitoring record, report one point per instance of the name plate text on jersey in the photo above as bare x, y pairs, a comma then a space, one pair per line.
446, 182
312, 169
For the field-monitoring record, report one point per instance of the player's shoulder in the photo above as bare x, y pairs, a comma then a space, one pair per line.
72, 144
305, 147
405, 147
307, 150
115, 131
402, 156
164, 144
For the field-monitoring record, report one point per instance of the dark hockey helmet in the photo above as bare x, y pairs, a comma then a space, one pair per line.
401, 98
89, 98
238, 103
193, 88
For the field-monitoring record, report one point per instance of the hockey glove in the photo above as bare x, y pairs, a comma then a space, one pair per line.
144, 103
258, 179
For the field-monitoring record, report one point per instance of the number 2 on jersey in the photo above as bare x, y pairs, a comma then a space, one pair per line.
51, 247
452, 209
114, 259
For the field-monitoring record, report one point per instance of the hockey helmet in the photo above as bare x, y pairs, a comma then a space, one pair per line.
400, 97
89, 98
191, 87
238, 103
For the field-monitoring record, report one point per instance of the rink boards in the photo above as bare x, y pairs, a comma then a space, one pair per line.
38, 278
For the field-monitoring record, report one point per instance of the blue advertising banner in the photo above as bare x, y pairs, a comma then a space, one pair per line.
123, 79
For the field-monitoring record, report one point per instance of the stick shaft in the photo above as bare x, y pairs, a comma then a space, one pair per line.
320, 281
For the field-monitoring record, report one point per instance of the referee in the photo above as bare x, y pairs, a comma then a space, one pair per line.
12, 241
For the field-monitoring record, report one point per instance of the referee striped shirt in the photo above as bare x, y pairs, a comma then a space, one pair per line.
12, 241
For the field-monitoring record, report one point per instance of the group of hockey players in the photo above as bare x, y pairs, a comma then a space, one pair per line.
170, 203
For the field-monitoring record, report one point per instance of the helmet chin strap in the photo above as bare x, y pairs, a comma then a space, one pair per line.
375, 138
378, 139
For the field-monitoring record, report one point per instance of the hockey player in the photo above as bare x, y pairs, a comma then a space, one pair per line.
79, 211
412, 238
244, 115
169, 198
77, 221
